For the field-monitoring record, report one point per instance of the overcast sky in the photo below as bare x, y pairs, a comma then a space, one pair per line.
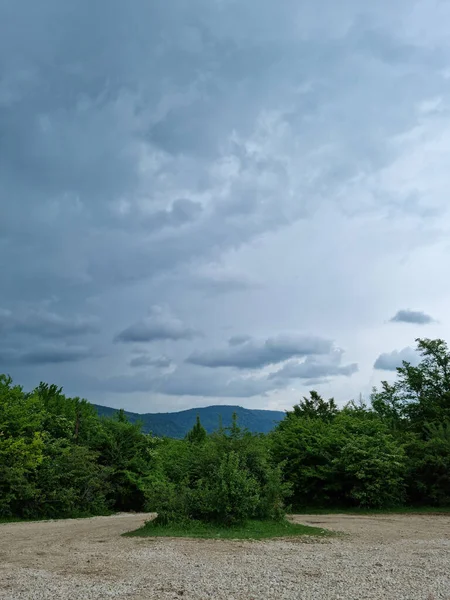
222, 201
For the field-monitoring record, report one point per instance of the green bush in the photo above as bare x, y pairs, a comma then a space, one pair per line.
227, 478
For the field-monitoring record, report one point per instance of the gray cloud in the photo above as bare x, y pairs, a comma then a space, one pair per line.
108, 149
417, 317
237, 340
315, 368
186, 381
390, 361
254, 354
49, 354
144, 360
43, 323
232, 163
158, 325
182, 212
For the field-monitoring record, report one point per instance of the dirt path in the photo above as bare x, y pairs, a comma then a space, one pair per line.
392, 557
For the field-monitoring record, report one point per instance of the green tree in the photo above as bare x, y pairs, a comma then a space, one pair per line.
197, 434
373, 470
128, 455
315, 407
421, 394
21, 447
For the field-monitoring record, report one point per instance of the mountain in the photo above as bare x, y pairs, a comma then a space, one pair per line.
177, 424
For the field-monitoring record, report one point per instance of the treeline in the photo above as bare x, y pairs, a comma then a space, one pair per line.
58, 458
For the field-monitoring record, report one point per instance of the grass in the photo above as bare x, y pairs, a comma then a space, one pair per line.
252, 530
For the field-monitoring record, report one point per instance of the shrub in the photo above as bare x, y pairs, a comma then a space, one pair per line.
227, 478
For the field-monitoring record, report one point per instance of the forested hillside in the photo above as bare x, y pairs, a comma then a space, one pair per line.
177, 424
58, 457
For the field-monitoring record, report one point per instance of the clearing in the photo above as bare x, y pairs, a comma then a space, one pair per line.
389, 557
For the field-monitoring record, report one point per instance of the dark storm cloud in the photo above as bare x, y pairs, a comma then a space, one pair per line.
390, 361
417, 317
158, 325
143, 141
254, 354
140, 112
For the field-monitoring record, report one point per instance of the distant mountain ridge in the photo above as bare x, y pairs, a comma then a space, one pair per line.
177, 424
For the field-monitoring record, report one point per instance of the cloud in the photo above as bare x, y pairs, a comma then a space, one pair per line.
143, 360
232, 163
223, 284
50, 354
390, 361
160, 324
187, 381
46, 324
316, 368
238, 340
255, 354
182, 212
213, 279
412, 316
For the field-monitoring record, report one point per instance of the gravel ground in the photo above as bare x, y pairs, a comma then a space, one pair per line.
398, 557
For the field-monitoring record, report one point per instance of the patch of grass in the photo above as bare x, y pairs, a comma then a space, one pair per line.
399, 510
252, 530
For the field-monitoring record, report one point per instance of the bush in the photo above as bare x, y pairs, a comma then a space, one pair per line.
227, 495
228, 478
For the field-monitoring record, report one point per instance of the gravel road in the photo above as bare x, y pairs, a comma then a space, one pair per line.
391, 557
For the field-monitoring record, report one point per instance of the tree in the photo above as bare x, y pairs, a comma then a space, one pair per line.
315, 407
129, 456
349, 460
421, 394
373, 469
197, 434
21, 447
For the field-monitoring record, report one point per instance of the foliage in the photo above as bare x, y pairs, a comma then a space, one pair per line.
21, 446
197, 434
315, 407
373, 470
351, 459
59, 458
228, 478
421, 394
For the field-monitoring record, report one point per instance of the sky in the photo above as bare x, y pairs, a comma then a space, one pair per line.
222, 201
